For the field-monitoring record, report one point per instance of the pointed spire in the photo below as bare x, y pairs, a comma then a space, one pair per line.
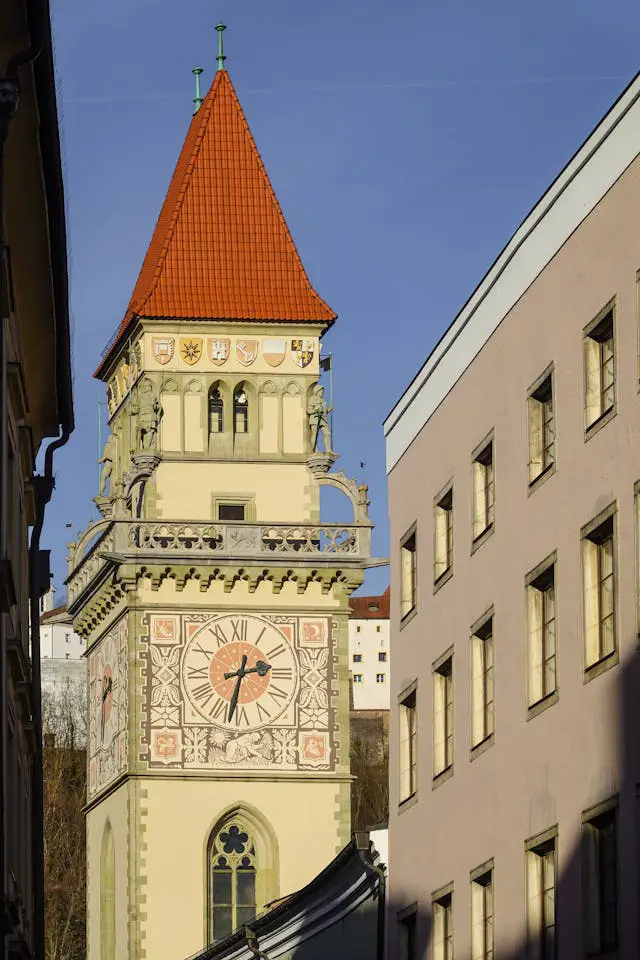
221, 248
198, 98
221, 57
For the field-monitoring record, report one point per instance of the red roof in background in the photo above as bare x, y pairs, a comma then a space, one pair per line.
370, 608
221, 248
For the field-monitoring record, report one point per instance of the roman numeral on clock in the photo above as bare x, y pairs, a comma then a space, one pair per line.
218, 710
241, 717
239, 630
219, 634
198, 648
203, 693
263, 713
282, 673
195, 673
276, 652
277, 693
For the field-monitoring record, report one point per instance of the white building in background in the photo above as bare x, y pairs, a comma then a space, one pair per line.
369, 652
61, 650
57, 639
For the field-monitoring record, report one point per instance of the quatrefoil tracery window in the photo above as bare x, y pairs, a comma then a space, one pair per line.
233, 879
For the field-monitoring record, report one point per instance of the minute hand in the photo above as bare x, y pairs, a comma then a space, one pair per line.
234, 699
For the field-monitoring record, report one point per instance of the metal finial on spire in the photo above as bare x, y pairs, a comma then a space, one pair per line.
221, 57
198, 98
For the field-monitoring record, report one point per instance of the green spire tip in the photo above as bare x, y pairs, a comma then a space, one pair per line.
221, 57
198, 98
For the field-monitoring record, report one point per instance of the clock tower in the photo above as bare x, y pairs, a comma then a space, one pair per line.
213, 598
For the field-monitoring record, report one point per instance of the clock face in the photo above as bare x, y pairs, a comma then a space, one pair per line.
105, 696
239, 672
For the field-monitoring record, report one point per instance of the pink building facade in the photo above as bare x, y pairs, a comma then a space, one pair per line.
514, 466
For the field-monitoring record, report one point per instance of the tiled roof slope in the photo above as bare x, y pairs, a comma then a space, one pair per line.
221, 248
370, 608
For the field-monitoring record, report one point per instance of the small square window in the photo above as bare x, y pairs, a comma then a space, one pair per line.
357, 678
357, 658
382, 656
358, 628
378, 628
380, 677
231, 512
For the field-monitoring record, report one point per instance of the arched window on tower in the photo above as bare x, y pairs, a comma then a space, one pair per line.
240, 410
232, 878
216, 410
107, 895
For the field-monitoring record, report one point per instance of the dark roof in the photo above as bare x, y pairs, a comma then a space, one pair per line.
59, 612
370, 608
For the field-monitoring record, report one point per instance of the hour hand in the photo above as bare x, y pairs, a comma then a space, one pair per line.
261, 668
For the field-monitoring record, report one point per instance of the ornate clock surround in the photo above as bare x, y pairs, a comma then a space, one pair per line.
176, 735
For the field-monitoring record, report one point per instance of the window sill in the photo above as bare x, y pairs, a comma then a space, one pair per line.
601, 666
408, 803
602, 420
479, 748
541, 477
482, 538
442, 579
535, 709
442, 777
408, 617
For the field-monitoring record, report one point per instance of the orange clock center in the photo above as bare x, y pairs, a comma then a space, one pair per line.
229, 660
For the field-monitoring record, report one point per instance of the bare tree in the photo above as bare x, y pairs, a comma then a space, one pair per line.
64, 760
370, 767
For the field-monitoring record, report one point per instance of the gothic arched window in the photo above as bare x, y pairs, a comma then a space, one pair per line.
216, 411
107, 895
232, 878
240, 410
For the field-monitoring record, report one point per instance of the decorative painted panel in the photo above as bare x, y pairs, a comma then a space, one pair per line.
108, 709
237, 691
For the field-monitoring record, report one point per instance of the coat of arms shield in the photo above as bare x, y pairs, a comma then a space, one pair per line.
191, 349
302, 351
273, 350
246, 351
163, 349
219, 350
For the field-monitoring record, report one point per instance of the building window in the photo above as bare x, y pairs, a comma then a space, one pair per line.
541, 900
232, 883
107, 895
483, 491
542, 431
382, 656
408, 747
231, 512
240, 410
380, 677
443, 927
482, 916
216, 411
357, 658
67, 638
599, 594
601, 887
443, 536
408, 574
541, 623
482, 717
407, 937
357, 678
443, 717
599, 369
378, 628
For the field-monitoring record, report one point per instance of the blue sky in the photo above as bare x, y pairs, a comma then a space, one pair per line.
405, 142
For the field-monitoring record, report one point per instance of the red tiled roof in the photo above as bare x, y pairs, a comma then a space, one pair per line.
370, 608
221, 248
59, 612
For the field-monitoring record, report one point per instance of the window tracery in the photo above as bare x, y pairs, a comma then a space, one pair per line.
232, 878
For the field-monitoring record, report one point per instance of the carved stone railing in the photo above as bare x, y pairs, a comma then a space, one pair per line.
141, 541
248, 539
